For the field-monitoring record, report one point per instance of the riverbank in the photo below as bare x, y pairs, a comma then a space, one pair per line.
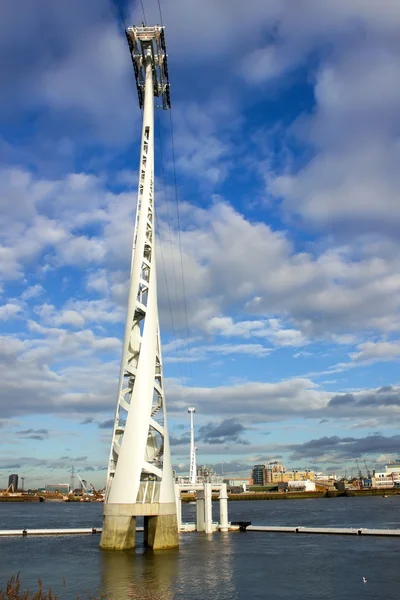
22, 498
247, 496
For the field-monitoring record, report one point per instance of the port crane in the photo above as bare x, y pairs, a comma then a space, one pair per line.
9, 490
95, 492
368, 471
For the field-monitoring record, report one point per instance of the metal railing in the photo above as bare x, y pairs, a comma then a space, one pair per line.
149, 491
210, 479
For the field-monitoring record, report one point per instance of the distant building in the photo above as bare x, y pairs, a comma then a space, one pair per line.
205, 473
61, 488
383, 480
294, 475
237, 481
393, 468
324, 477
271, 471
236, 484
13, 480
258, 475
276, 473
301, 486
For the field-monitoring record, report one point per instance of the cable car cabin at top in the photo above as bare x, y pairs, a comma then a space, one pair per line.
145, 41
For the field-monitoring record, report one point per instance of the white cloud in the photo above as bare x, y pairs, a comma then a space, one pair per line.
338, 292
77, 313
270, 329
97, 282
81, 75
350, 186
9, 311
376, 351
32, 291
174, 353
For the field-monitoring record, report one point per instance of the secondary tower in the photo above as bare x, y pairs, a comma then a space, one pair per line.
140, 480
192, 467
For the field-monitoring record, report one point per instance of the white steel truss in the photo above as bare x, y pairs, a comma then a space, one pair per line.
139, 467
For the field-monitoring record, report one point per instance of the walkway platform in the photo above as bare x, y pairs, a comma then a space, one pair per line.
80, 531
325, 530
191, 528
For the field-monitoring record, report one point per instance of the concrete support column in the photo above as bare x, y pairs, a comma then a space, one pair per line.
118, 532
178, 500
223, 508
208, 507
200, 511
161, 532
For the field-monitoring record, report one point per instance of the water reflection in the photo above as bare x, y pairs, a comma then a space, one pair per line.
139, 574
212, 566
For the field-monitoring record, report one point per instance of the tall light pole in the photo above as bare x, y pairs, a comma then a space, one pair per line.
193, 466
140, 480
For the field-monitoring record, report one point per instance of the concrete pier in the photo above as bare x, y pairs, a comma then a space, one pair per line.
200, 510
160, 532
208, 508
119, 532
204, 491
223, 509
119, 525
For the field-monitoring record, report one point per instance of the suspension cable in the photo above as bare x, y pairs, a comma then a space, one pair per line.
178, 349
178, 224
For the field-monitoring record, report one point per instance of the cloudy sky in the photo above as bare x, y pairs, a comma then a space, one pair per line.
286, 124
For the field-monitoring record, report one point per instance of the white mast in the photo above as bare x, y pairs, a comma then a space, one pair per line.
193, 466
140, 479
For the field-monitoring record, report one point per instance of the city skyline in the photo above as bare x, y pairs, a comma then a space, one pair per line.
285, 333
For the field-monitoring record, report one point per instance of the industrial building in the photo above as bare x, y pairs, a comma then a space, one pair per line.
60, 488
301, 486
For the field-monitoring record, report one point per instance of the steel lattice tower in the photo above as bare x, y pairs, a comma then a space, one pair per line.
140, 479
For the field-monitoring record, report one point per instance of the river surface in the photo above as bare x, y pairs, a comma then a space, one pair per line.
231, 566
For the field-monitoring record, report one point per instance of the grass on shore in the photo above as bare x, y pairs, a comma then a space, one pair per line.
12, 591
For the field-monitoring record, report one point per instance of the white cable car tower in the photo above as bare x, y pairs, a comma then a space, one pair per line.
140, 479
192, 464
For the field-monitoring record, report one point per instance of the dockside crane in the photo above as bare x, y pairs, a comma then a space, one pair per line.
9, 490
368, 471
95, 492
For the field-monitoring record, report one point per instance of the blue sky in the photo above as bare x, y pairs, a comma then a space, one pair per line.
286, 126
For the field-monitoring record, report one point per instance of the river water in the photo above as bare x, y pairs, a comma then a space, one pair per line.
231, 566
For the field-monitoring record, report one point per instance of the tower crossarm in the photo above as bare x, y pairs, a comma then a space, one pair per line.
150, 40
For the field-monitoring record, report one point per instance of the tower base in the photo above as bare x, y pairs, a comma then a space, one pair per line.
119, 526
161, 532
119, 533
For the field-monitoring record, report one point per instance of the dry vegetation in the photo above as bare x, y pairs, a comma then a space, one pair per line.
12, 591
